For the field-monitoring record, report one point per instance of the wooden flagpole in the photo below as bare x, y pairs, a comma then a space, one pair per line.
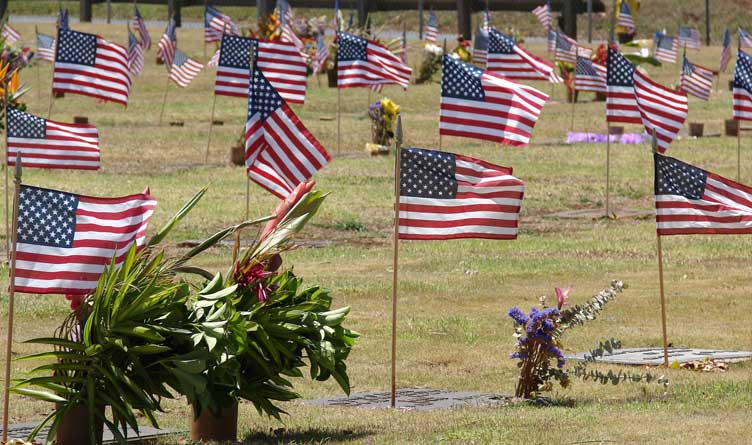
11, 300
164, 98
205, 59
339, 118
211, 125
608, 167
739, 151
39, 77
574, 87
5, 167
395, 266
660, 276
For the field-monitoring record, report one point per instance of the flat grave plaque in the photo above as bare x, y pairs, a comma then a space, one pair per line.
654, 356
417, 399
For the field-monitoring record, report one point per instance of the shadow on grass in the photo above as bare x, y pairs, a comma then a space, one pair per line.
307, 436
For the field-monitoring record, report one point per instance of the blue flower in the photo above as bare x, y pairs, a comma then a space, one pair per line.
519, 355
518, 316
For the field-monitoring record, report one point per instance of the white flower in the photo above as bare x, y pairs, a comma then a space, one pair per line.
434, 49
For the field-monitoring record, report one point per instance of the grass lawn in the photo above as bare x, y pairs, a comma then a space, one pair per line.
453, 329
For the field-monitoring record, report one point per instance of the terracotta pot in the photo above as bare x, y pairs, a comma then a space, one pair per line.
80, 120
600, 97
207, 427
732, 127
74, 427
331, 76
696, 129
237, 155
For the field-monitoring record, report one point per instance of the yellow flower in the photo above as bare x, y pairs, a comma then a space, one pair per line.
12, 85
390, 110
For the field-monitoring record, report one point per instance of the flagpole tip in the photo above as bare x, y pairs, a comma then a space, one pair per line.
17, 176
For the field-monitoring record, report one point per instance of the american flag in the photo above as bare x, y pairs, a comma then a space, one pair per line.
543, 13
621, 104
62, 19
285, 10
584, 51
168, 44
45, 47
65, 241
690, 201
745, 40
322, 54
337, 19
184, 69
135, 54
689, 37
280, 62
280, 152
48, 144
726, 52
288, 33
486, 19
589, 76
214, 60
449, 196
663, 110
10, 35
89, 65
552, 36
402, 51
365, 63
696, 80
625, 17
743, 87
566, 48
666, 48
482, 105
140, 26
480, 47
432, 27
216, 24
514, 62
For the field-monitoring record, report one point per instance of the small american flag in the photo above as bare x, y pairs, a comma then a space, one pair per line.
480, 47
365, 63
140, 26
552, 36
513, 62
482, 105
745, 40
662, 110
449, 196
743, 87
589, 76
48, 144
280, 61
432, 27
402, 51
135, 54
45, 47
621, 104
543, 14
280, 152
10, 35
322, 54
625, 17
65, 241
214, 60
216, 24
288, 32
566, 48
285, 10
337, 22
666, 48
62, 19
689, 37
726, 52
696, 80
690, 200
184, 69
89, 65
486, 19
168, 44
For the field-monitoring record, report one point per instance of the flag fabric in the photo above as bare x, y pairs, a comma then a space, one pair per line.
726, 51
621, 104
480, 47
364, 63
482, 105
450, 196
280, 152
696, 80
745, 40
543, 14
10, 35
285, 10
566, 48
89, 65
214, 60
337, 19
513, 62
486, 19
589, 76
742, 100
45, 47
62, 19
48, 144
689, 37
140, 25
584, 51
184, 69
666, 48
625, 17
135, 55
432, 27
280, 61
663, 110
693, 201
288, 33
322, 54
66, 253
402, 51
167, 44
552, 36
216, 24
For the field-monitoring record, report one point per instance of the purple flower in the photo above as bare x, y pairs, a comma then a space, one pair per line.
548, 325
519, 355
518, 316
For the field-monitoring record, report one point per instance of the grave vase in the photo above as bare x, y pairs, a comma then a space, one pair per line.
221, 428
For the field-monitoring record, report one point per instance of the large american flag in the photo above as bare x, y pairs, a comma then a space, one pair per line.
65, 241
140, 26
513, 62
280, 62
48, 144
566, 48
726, 51
742, 100
10, 35
589, 76
663, 110
365, 63
432, 27
480, 47
621, 104
322, 54
167, 44
184, 69
625, 17
280, 152
449, 196
89, 65
216, 24
543, 14
689, 37
135, 54
482, 105
45, 47
666, 48
690, 200
745, 40
696, 80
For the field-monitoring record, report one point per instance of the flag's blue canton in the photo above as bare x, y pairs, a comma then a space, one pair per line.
137, 13
585, 67
432, 20
687, 32
132, 41
665, 42
62, 19
461, 80
351, 47
742, 33
726, 38
687, 67
44, 41
24, 125
180, 58
619, 70
481, 40
743, 72
236, 51
427, 174
552, 35
674, 177
320, 44
263, 98
77, 47
498, 43
170, 31
46, 217
563, 43
210, 13
624, 9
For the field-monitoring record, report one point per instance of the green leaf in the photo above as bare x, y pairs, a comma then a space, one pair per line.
159, 236
39, 395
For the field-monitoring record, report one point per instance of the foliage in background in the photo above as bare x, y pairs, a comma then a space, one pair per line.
383, 116
12, 61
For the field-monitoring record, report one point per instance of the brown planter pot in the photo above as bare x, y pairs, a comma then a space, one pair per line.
237, 155
74, 427
331, 77
58, 94
625, 38
572, 96
600, 97
696, 129
207, 427
617, 131
160, 61
732, 127
731, 85
80, 120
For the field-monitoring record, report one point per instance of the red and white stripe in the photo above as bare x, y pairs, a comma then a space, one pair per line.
543, 14
742, 104
566, 55
661, 108
185, 73
166, 49
214, 60
10, 35
697, 83
595, 83
289, 35
382, 67
219, 26
521, 65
